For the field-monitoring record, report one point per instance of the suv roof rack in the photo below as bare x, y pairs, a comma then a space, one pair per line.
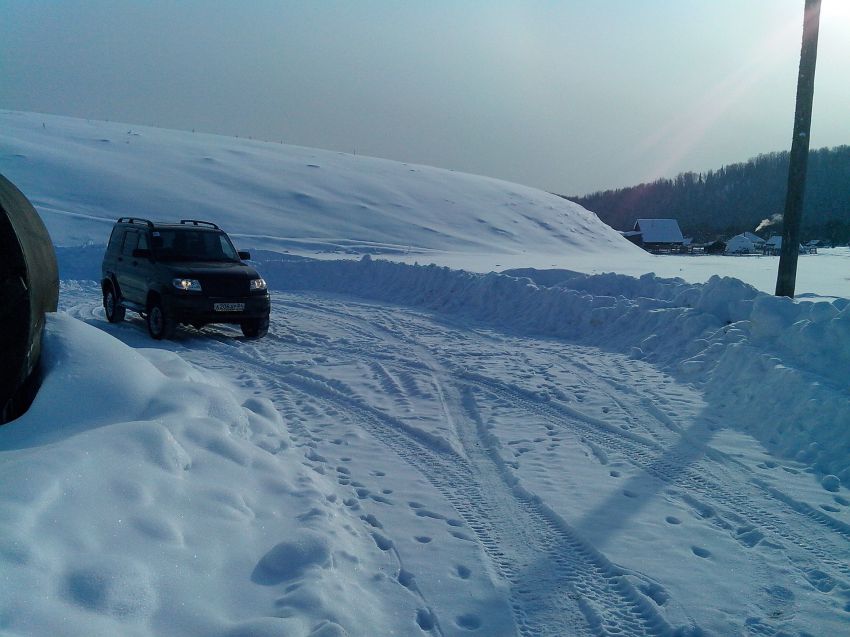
195, 222
135, 220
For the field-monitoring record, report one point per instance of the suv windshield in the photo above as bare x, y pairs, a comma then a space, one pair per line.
180, 244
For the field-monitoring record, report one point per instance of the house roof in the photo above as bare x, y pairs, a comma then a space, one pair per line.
659, 230
775, 240
754, 237
740, 243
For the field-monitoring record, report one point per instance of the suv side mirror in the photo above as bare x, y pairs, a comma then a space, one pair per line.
141, 253
244, 255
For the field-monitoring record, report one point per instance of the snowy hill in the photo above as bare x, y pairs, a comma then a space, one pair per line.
414, 450
81, 175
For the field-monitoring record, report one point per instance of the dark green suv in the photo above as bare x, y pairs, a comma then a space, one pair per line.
187, 272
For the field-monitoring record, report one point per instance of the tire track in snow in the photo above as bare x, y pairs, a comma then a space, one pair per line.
731, 500
558, 583
676, 469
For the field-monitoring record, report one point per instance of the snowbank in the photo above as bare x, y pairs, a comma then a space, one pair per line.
140, 499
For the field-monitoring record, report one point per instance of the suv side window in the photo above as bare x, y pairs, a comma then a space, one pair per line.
131, 242
115, 238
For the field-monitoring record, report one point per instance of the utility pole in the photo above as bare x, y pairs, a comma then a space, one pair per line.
787, 276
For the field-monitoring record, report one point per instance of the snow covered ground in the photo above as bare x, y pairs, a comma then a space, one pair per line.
416, 450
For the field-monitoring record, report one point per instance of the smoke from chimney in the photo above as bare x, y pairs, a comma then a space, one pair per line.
766, 223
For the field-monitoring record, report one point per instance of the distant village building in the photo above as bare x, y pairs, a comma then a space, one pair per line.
773, 246
758, 242
742, 244
657, 235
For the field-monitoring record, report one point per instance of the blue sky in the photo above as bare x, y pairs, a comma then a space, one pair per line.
568, 96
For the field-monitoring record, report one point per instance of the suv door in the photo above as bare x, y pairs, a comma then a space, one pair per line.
130, 270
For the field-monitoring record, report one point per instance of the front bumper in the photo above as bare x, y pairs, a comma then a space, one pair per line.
192, 308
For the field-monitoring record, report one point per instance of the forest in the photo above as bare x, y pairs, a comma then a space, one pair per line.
740, 197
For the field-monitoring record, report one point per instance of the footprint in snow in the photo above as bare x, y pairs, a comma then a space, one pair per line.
382, 542
372, 521
468, 621
820, 580
655, 592
116, 587
461, 536
406, 579
290, 559
425, 619
425, 513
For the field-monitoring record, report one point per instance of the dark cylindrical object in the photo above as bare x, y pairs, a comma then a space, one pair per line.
29, 287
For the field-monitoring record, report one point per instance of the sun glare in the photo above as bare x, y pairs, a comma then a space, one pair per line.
685, 132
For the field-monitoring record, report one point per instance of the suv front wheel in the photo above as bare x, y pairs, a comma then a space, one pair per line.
255, 328
115, 312
160, 324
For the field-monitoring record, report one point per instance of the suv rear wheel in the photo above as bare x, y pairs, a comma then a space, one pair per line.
115, 312
255, 328
160, 324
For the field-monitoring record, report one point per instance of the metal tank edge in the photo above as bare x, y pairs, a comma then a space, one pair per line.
29, 287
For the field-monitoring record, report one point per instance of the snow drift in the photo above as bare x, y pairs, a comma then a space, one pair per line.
136, 511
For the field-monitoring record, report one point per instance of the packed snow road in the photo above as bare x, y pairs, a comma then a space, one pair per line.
521, 485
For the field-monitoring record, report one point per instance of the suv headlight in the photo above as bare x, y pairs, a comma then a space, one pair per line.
257, 285
187, 285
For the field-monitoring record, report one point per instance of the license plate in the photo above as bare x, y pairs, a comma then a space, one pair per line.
229, 307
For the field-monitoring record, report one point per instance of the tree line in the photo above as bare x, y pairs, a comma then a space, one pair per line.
737, 198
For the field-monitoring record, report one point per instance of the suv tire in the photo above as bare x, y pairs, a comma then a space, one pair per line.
115, 312
160, 324
255, 328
